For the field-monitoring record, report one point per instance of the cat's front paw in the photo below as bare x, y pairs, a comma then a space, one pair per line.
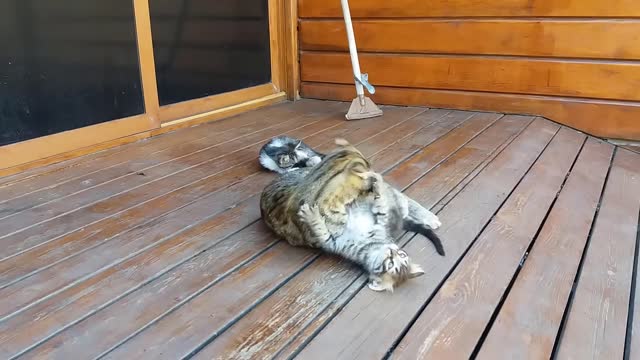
308, 213
433, 222
380, 284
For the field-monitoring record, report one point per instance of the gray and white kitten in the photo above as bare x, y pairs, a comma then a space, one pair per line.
283, 154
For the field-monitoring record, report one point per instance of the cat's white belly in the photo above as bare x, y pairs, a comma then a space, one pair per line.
360, 223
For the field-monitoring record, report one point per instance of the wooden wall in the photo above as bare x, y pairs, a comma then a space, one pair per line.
574, 61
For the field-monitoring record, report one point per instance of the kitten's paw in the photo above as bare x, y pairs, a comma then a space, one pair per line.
433, 222
380, 285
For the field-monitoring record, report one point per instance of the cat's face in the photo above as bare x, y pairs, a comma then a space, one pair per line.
286, 160
291, 156
398, 268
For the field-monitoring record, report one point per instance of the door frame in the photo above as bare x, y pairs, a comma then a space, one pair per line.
159, 119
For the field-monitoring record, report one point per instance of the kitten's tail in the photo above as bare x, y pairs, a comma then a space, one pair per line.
428, 233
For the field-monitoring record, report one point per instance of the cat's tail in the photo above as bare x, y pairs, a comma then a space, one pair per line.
428, 233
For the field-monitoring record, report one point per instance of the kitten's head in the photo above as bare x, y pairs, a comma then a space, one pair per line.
290, 156
397, 268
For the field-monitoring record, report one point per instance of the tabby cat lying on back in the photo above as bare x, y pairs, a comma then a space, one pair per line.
343, 207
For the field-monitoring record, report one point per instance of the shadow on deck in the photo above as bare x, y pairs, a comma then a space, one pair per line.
155, 249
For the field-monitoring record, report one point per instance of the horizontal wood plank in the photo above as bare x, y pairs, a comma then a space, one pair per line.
475, 8
617, 81
598, 39
596, 326
618, 120
526, 326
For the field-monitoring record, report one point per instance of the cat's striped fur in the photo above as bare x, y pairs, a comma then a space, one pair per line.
343, 207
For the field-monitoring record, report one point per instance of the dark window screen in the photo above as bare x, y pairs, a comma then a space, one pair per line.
208, 47
66, 64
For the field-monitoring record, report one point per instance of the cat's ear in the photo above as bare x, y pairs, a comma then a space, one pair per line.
415, 270
298, 145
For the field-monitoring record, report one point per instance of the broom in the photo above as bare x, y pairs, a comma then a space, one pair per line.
361, 107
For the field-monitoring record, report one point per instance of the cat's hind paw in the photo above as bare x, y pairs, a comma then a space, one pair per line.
433, 221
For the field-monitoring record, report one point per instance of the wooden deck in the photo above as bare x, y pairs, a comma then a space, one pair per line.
155, 250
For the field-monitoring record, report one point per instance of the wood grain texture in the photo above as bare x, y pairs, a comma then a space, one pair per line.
37, 191
49, 253
184, 278
382, 318
94, 294
529, 324
15, 155
146, 61
597, 322
367, 145
57, 155
310, 306
462, 307
193, 107
633, 332
606, 119
415, 167
193, 271
60, 217
610, 80
633, 148
596, 39
200, 137
471, 8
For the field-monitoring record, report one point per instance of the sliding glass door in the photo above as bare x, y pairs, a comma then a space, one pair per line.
75, 73
66, 64
205, 48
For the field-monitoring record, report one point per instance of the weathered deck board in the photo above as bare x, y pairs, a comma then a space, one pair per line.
528, 322
463, 219
463, 306
190, 214
80, 177
100, 262
161, 329
42, 256
310, 300
38, 178
58, 217
596, 325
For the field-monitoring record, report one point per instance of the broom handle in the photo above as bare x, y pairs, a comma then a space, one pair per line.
352, 46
